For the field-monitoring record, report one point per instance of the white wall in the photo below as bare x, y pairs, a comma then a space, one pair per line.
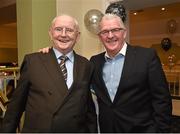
89, 43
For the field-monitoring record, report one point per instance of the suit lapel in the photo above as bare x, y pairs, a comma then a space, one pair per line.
127, 70
52, 67
103, 91
77, 66
67, 92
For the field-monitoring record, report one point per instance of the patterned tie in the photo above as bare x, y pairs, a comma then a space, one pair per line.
63, 59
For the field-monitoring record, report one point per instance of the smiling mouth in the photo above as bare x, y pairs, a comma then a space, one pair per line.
111, 41
64, 41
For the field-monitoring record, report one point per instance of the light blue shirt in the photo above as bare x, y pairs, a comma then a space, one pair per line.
69, 65
112, 71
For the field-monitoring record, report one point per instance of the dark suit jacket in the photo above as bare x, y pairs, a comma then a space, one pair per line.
49, 106
142, 102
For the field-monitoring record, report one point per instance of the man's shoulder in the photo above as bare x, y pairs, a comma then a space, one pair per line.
141, 52
141, 49
97, 56
39, 56
80, 57
34, 55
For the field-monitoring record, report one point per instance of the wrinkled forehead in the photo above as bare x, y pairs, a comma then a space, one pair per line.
111, 21
64, 21
108, 24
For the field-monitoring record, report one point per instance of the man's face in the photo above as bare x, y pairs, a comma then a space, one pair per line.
64, 34
112, 35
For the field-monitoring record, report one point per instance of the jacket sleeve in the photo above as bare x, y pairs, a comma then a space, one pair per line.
91, 111
17, 103
161, 98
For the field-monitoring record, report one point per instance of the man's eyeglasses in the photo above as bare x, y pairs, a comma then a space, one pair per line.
67, 30
113, 31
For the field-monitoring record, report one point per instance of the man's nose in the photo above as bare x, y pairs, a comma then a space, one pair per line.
64, 32
110, 34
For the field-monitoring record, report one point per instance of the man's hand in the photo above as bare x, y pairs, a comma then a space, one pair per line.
44, 50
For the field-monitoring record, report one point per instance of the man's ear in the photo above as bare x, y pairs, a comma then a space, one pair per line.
50, 34
78, 36
125, 33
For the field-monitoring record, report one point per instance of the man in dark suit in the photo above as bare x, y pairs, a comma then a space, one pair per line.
54, 100
130, 85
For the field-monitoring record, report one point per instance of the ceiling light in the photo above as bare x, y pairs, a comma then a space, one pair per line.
163, 8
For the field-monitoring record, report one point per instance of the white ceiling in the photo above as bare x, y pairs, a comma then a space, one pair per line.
140, 4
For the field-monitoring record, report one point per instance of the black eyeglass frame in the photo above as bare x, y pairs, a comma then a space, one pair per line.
113, 31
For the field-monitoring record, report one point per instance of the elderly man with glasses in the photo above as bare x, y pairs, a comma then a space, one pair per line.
54, 88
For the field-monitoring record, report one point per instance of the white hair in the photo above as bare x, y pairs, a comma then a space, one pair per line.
75, 21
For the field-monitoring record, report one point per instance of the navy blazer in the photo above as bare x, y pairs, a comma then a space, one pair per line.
142, 102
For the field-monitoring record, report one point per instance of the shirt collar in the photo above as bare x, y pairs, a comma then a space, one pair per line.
121, 52
70, 55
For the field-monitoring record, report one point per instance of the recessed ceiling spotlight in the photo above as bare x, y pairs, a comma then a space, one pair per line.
163, 8
135, 13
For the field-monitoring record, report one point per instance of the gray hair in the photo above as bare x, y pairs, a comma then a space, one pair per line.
109, 16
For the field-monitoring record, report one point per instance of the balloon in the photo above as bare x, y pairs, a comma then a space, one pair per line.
172, 26
171, 60
112, 1
92, 19
118, 9
166, 44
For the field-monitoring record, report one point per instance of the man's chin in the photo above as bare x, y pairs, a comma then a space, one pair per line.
63, 45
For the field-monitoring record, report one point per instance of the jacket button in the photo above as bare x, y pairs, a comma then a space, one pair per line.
50, 93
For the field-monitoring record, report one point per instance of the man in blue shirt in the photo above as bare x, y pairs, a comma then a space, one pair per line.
129, 83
